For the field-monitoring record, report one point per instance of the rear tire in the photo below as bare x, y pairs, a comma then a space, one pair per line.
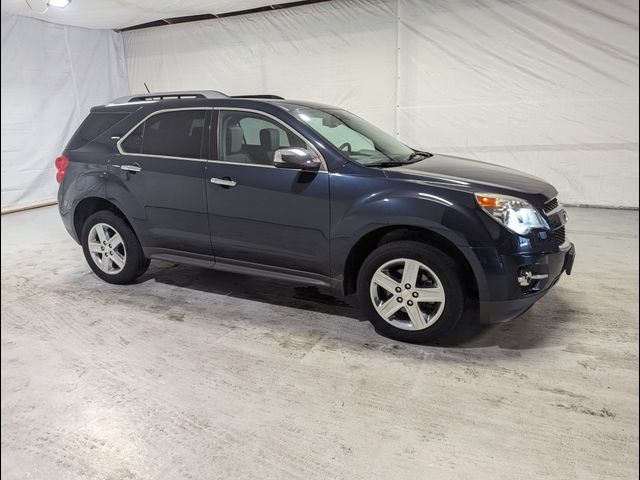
411, 291
112, 249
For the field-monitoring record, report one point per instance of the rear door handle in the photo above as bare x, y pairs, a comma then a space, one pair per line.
131, 168
225, 182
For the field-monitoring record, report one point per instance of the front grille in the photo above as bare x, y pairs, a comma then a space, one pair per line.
559, 236
554, 222
558, 230
551, 205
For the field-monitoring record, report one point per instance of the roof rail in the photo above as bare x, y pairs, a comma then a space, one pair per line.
274, 97
149, 97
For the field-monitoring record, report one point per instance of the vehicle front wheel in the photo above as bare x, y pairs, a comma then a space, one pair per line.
112, 249
411, 291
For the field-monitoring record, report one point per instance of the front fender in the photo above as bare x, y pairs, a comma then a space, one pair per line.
356, 212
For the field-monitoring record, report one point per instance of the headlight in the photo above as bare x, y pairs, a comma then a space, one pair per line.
516, 214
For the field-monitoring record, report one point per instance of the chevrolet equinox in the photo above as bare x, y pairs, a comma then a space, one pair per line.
313, 194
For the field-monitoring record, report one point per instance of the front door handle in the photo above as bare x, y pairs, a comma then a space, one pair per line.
131, 168
225, 182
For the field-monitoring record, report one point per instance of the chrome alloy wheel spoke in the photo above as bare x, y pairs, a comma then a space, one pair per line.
106, 248
407, 294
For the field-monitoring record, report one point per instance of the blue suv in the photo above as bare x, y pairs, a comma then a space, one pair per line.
313, 194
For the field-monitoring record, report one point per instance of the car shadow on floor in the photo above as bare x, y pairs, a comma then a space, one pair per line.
534, 329
259, 289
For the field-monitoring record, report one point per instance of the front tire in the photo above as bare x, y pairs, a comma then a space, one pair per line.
112, 249
411, 291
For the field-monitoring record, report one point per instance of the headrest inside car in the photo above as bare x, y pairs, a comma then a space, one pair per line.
234, 139
270, 138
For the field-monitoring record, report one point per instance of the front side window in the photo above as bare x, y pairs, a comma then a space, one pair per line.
169, 134
356, 138
247, 137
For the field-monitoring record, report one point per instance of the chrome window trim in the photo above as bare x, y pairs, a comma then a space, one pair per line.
224, 162
167, 157
259, 165
157, 112
323, 167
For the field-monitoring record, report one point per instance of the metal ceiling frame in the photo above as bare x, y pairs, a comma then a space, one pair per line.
212, 16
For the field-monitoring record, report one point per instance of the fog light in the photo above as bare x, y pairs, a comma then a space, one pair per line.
526, 277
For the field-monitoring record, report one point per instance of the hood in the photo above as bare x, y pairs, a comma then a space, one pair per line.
473, 175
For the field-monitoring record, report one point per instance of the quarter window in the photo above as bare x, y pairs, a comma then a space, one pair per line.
95, 125
170, 134
133, 142
247, 137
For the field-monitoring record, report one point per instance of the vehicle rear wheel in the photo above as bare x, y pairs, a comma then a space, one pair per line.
411, 291
112, 249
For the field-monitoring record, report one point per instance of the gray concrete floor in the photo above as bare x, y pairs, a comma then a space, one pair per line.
198, 374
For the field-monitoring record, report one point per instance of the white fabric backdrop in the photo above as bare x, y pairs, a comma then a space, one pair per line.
549, 87
51, 76
340, 52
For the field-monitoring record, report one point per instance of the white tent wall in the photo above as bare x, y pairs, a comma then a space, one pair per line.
343, 53
51, 76
549, 87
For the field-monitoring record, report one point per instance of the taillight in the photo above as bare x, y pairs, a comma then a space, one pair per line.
62, 163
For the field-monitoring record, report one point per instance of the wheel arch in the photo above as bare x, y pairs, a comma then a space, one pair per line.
383, 235
90, 205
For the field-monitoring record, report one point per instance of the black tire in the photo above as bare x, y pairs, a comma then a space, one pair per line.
440, 263
136, 263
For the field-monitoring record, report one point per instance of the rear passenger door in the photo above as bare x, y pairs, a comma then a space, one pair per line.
161, 173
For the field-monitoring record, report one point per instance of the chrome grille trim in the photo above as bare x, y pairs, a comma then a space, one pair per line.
557, 223
551, 205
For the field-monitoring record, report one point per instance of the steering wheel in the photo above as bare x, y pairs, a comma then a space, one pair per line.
347, 145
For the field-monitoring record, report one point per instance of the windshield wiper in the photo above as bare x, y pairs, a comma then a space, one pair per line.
387, 164
398, 163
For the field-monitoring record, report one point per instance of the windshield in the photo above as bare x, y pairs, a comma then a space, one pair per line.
357, 139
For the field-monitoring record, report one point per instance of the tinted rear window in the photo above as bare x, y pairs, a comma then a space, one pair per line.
93, 126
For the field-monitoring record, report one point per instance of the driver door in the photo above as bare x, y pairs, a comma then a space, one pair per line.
259, 215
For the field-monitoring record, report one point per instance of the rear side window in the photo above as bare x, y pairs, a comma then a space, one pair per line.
94, 125
169, 134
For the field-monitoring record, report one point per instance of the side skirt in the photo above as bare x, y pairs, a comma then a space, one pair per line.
237, 266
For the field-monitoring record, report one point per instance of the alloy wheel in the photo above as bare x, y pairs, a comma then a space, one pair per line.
407, 294
107, 248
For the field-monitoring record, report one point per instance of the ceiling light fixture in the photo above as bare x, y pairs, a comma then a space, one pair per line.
58, 3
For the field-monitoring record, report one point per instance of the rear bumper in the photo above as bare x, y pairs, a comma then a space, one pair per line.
66, 208
506, 298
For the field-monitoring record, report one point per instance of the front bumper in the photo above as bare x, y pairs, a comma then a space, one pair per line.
505, 298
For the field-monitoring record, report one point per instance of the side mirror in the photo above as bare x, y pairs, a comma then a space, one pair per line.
297, 159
